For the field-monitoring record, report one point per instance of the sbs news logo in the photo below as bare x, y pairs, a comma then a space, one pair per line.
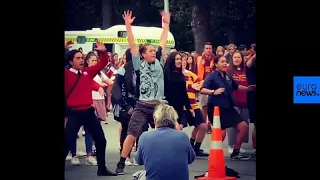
306, 90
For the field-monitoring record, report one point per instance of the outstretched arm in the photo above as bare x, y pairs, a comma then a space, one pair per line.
104, 57
164, 35
128, 20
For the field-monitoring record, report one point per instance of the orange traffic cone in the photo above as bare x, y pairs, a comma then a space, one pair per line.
217, 167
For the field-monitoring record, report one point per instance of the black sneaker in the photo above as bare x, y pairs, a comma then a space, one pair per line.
120, 168
106, 172
199, 176
201, 153
254, 155
239, 157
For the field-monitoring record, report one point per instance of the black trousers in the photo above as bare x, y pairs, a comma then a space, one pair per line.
88, 119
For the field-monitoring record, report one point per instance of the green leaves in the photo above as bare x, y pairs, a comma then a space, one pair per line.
224, 14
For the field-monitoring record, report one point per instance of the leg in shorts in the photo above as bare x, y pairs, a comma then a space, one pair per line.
203, 100
229, 117
232, 132
141, 116
251, 101
197, 120
182, 117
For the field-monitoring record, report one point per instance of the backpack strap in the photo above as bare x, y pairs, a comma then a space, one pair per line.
66, 110
73, 87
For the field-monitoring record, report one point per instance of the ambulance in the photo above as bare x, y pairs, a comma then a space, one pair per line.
115, 38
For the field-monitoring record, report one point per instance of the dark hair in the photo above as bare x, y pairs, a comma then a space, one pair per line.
241, 64
128, 55
88, 56
193, 64
70, 55
143, 48
242, 47
208, 43
170, 66
216, 59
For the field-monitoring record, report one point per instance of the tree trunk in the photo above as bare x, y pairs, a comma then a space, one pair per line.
200, 24
107, 14
231, 35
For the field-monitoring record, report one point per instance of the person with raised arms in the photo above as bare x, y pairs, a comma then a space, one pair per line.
80, 112
151, 86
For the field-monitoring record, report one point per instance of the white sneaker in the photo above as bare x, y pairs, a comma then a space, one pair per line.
81, 153
128, 162
134, 163
91, 161
243, 150
230, 150
75, 161
69, 157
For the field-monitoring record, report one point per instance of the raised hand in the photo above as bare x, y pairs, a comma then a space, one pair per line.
68, 44
127, 17
165, 17
100, 47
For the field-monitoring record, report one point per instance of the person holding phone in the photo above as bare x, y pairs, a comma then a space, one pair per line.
219, 85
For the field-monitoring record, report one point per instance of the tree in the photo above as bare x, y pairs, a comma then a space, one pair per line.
107, 13
232, 21
193, 22
180, 25
200, 24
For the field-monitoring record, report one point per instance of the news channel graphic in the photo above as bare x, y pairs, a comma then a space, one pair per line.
306, 89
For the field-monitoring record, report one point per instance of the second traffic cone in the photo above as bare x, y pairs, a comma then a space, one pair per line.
216, 168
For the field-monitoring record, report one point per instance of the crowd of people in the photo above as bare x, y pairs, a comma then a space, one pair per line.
166, 90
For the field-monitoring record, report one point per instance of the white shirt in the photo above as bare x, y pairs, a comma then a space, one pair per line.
99, 80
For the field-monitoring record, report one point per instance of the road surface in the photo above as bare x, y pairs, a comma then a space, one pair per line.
247, 169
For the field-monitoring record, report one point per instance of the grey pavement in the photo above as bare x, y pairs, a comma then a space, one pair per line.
247, 169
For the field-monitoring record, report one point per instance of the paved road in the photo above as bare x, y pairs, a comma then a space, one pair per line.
247, 169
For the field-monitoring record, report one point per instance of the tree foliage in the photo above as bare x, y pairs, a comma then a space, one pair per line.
229, 20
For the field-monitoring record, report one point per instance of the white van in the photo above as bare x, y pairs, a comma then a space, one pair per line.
115, 38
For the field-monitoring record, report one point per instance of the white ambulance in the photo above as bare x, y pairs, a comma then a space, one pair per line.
115, 38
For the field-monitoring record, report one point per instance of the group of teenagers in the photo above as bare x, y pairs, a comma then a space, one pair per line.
140, 85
